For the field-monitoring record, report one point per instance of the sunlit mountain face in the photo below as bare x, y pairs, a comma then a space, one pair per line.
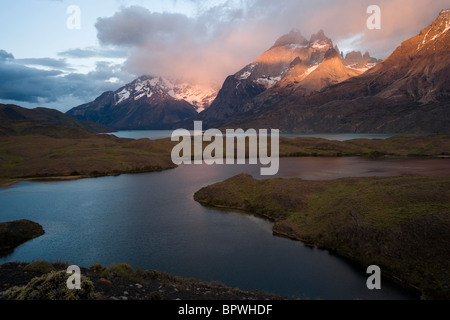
147, 103
320, 90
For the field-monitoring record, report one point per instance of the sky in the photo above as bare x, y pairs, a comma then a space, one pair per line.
63, 53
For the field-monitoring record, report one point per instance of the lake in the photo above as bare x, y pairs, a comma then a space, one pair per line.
151, 221
159, 134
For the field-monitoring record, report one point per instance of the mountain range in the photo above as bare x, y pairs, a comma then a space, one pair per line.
147, 103
408, 92
301, 85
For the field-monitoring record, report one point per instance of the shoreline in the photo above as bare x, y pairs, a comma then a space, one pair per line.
289, 234
10, 182
72, 159
7, 182
330, 216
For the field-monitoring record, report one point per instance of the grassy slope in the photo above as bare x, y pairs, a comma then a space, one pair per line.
401, 224
399, 146
66, 152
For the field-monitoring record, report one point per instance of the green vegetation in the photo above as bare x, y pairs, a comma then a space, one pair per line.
38, 157
398, 146
51, 286
401, 224
41, 266
121, 270
56, 152
14, 233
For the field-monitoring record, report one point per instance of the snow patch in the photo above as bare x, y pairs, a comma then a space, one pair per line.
362, 69
197, 95
138, 87
147, 93
123, 95
319, 45
245, 75
200, 97
139, 96
294, 46
311, 69
268, 82
172, 94
424, 41
447, 27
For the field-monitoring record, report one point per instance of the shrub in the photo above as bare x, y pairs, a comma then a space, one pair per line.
122, 270
40, 266
97, 267
52, 286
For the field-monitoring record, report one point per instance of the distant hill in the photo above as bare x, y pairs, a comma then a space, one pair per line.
15, 120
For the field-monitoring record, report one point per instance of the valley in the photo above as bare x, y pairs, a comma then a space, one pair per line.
359, 156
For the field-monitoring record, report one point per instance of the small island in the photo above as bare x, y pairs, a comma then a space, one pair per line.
14, 233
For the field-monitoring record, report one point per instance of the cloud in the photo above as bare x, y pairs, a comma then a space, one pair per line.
222, 38
206, 47
32, 85
5, 55
51, 63
79, 53
217, 40
135, 25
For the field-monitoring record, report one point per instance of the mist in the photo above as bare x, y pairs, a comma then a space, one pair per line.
219, 40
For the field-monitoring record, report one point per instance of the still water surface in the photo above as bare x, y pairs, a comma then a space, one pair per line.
151, 221
159, 134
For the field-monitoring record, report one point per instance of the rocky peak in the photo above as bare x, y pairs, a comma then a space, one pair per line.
357, 61
319, 36
153, 88
354, 56
331, 54
320, 42
436, 31
293, 37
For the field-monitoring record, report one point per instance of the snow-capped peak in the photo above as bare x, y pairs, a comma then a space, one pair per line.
439, 27
200, 97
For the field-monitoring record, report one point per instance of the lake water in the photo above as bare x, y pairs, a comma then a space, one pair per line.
151, 221
159, 134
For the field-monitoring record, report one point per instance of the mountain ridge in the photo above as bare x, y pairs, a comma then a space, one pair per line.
146, 103
18, 120
292, 59
408, 92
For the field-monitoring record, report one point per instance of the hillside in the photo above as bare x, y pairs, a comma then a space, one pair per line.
401, 224
15, 120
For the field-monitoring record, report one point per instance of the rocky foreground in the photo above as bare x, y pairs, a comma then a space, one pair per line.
41, 280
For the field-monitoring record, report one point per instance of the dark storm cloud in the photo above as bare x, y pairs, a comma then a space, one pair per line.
60, 64
27, 84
